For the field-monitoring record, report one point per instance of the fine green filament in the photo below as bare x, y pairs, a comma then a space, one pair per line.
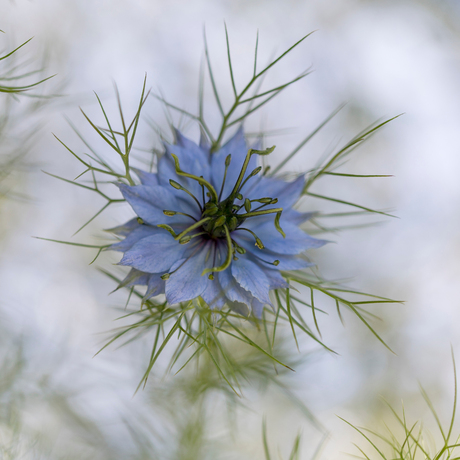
200, 180
251, 152
192, 227
276, 211
177, 186
228, 260
227, 164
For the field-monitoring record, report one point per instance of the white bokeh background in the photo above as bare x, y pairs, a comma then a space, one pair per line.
381, 57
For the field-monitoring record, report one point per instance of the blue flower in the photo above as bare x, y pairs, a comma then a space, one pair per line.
210, 225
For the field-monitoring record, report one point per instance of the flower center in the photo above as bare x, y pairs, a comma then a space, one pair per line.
219, 218
222, 214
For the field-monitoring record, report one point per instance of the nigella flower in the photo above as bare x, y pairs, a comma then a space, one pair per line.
210, 225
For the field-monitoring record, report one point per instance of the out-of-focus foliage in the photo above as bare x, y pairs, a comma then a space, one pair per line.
20, 105
409, 440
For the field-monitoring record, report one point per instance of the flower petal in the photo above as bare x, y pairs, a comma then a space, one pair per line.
134, 277
237, 147
275, 279
155, 286
287, 193
251, 278
286, 261
142, 231
150, 179
257, 308
233, 291
185, 282
295, 242
154, 254
192, 159
297, 217
149, 203
213, 295
123, 230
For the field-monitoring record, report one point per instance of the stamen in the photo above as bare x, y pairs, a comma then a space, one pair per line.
245, 166
247, 205
192, 227
267, 204
259, 243
140, 221
167, 227
233, 222
211, 275
186, 239
228, 260
276, 262
202, 193
200, 180
177, 186
276, 211
165, 276
166, 212
210, 209
254, 173
238, 248
220, 221
228, 159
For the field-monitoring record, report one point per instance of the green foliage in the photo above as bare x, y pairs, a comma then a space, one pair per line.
413, 441
11, 74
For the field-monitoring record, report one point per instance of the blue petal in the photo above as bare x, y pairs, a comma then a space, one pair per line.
241, 308
213, 295
275, 278
205, 145
287, 192
233, 291
155, 286
149, 203
286, 262
296, 240
146, 178
123, 230
237, 147
185, 282
142, 231
257, 308
194, 149
135, 277
251, 278
193, 160
154, 254
297, 217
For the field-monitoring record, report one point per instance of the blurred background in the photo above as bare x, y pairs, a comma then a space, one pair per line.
382, 58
